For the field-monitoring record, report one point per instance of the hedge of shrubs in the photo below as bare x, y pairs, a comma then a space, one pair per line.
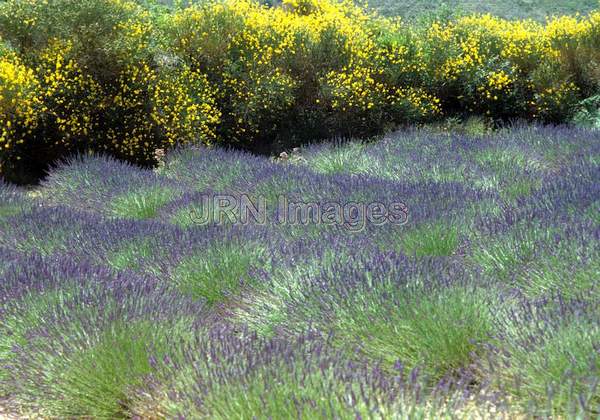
127, 78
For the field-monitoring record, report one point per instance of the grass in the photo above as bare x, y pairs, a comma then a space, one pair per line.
197, 214
554, 365
137, 255
141, 204
431, 240
511, 252
439, 330
216, 272
95, 380
341, 159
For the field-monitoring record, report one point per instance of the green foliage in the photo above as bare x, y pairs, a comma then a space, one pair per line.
218, 272
588, 114
129, 77
137, 255
438, 329
511, 9
347, 158
100, 82
96, 381
431, 240
105, 35
142, 204
501, 257
471, 126
549, 372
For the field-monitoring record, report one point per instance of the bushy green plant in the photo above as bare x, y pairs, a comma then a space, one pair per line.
129, 77
588, 114
309, 68
95, 79
555, 373
218, 272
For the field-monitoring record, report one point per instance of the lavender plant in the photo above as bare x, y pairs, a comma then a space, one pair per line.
546, 357
243, 376
77, 337
118, 299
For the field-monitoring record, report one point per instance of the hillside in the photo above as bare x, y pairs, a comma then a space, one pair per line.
510, 9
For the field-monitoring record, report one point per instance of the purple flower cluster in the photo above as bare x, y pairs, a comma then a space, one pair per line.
115, 303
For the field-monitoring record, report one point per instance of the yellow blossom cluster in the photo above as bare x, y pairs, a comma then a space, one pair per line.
133, 79
498, 84
316, 59
357, 92
71, 96
239, 47
519, 68
555, 99
422, 103
156, 109
20, 103
100, 86
179, 114
130, 131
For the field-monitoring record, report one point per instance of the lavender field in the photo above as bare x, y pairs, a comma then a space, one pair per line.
119, 300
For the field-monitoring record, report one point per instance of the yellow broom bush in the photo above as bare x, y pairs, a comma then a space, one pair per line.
87, 75
21, 105
115, 76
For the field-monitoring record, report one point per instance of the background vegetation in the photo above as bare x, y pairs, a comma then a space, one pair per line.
127, 78
509, 9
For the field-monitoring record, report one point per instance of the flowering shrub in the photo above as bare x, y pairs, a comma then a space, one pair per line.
509, 68
120, 77
155, 108
20, 104
71, 95
87, 75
